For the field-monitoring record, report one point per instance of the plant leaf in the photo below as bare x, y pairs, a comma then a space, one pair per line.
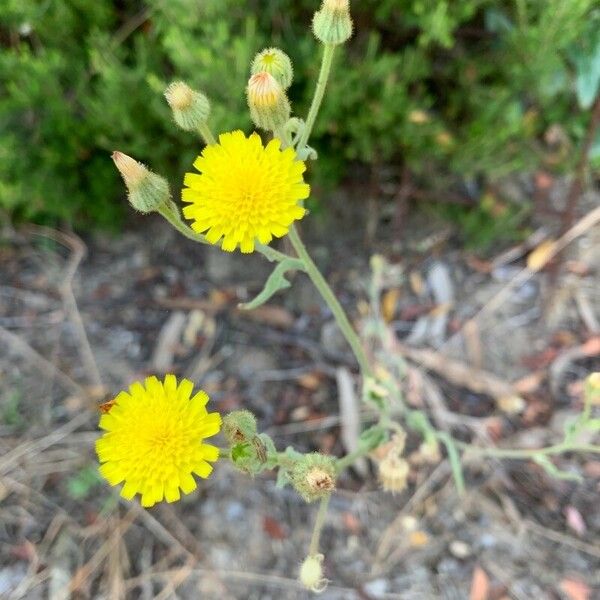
275, 282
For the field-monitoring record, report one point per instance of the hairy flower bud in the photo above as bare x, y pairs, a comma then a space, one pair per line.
147, 190
276, 63
239, 426
190, 108
313, 476
332, 24
311, 574
269, 106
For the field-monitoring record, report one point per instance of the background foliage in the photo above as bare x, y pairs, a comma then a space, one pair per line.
447, 89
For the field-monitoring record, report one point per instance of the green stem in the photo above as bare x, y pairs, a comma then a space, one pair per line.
350, 459
319, 521
528, 453
328, 52
333, 303
207, 134
171, 213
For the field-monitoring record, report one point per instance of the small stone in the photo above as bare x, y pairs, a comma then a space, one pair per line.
376, 588
460, 549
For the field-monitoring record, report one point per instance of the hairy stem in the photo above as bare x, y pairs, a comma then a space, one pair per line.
528, 453
333, 303
319, 521
207, 134
328, 52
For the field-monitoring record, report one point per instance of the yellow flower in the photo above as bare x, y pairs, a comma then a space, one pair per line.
153, 440
245, 192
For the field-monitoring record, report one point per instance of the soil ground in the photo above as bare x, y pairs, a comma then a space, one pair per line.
150, 301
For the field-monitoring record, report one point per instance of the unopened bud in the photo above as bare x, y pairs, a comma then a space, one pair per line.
332, 24
147, 190
239, 426
393, 473
313, 476
276, 63
311, 574
269, 106
592, 389
190, 108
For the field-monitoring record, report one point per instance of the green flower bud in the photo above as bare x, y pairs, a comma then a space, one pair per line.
147, 190
239, 427
332, 24
311, 574
269, 106
190, 108
276, 63
313, 476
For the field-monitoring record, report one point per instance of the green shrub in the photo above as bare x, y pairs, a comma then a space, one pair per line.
464, 87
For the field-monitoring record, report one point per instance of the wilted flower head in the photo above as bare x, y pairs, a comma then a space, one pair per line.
314, 476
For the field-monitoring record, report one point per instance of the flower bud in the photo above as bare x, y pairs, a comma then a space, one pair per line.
269, 106
592, 389
311, 574
313, 476
276, 63
147, 190
190, 108
239, 426
332, 24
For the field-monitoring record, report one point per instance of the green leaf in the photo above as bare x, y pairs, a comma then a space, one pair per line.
241, 452
553, 470
455, 465
372, 437
275, 282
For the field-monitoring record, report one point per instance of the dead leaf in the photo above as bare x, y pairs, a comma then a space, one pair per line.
529, 383
591, 347
480, 585
511, 405
418, 539
541, 255
351, 522
349, 414
275, 316
417, 284
311, 380
575, 520
389, 302
575, 590
273, 528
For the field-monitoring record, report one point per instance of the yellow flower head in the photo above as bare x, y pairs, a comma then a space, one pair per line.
153, 440
245, 192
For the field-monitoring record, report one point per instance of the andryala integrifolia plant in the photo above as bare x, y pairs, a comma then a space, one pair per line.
243, 193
